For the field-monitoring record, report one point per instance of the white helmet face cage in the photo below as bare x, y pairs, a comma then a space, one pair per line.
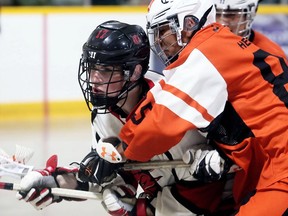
156, 38
171, 14
237, 15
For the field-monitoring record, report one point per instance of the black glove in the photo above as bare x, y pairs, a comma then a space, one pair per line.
95, 169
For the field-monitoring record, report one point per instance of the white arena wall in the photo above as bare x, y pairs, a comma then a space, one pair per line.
40, 48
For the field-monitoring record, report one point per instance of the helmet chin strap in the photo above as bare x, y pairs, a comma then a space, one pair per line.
130, 87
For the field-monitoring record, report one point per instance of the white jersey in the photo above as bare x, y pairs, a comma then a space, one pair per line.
107, 125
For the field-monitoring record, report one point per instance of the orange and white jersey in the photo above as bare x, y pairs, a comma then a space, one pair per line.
228, 87
110, 124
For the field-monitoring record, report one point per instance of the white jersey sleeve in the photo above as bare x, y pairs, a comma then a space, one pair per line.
105, 125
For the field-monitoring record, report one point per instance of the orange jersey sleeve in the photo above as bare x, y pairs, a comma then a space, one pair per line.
152, 130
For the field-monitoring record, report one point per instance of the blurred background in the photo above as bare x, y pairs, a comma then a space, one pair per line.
74, 2
98, 2
41, 104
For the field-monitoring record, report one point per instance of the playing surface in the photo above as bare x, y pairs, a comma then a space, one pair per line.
70, 139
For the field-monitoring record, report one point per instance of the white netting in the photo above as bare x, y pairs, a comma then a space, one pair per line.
22, 154
14, 166
11, 168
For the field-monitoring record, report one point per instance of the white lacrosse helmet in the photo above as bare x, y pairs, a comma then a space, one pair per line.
238, 15
173, 13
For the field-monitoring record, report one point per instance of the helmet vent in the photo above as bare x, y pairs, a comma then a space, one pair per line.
162, 13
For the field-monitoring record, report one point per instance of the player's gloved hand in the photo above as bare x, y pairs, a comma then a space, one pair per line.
100, 165
36, 185
119, 197
206, 163
119, 200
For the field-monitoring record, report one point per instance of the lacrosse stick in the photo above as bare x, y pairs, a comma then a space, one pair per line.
165, 164
9, 167
22, 154
62, 192
15, 167
20, 170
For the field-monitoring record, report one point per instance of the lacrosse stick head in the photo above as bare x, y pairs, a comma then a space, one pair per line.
15, 165
23, 154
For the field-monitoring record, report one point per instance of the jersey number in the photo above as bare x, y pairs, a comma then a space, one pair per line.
142, 114
280, 81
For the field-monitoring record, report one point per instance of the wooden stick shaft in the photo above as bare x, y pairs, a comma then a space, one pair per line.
165, 164
154, 165
58, 191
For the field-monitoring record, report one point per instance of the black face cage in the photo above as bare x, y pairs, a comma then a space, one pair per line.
102, 102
